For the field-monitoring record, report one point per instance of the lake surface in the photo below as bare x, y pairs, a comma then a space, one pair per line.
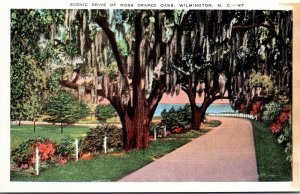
213, 108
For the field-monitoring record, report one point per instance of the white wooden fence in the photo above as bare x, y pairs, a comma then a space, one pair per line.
240, 115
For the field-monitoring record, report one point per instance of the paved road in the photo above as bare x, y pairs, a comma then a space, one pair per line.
224, 154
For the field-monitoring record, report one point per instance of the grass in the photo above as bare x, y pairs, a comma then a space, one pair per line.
271, 162
213, 123
104, 167
20, 134
196, 133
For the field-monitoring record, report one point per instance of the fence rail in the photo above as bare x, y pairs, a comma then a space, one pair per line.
240, 115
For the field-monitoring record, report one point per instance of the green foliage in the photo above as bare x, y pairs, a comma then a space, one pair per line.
28, 57
174, 118
66, 147
53, 81
64, 108
285, 139
271, 111
104, 112
93, 142
21, 154
24, 154
123, 48
213, 123
30, 52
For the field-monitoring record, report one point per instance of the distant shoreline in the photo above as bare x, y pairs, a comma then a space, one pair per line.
213, 108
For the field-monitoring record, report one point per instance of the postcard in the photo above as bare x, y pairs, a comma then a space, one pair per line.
149, 96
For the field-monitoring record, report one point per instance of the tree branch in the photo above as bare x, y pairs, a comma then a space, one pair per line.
115, 101
220, 97
269, 27
68, 84
157, 93
103, 23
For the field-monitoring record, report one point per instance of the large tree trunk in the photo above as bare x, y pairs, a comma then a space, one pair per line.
206, 103
136, 131
196, 116
198, 113
195, 110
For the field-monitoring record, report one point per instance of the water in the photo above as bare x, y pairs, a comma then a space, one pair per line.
213, 108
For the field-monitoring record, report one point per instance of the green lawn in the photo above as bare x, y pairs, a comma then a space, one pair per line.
20, 134
271, 162
110, 167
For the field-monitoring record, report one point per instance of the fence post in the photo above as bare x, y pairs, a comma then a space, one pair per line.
105, 144
76, 149
165, 131
37, 161
154, 133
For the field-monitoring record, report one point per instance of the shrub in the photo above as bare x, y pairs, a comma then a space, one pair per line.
279, 117
257, 79
66, 148
256, 108
104, 112
280, 121
174, 118
93, 142
271, 111
64, 108
24, 155
285, 137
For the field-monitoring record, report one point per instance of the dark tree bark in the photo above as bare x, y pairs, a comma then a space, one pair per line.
136, 114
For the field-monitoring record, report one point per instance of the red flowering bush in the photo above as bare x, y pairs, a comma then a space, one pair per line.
256, 108
24, 155
280, 121
46, 151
